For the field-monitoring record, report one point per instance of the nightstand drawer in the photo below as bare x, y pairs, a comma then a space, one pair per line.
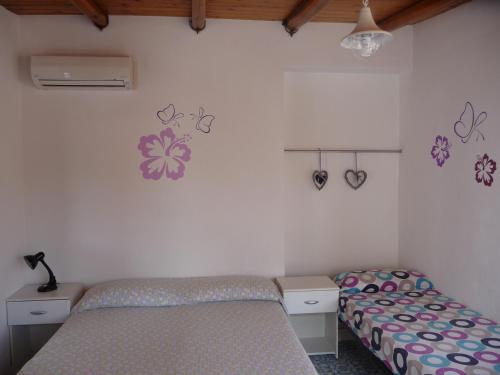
311, 302
37, 312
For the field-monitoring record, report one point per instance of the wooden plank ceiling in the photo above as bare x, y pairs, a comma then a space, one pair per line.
272, 10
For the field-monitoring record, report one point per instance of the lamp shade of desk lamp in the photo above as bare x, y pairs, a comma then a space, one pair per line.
32, 262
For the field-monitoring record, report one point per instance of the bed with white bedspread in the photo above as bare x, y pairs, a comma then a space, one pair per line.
216, 325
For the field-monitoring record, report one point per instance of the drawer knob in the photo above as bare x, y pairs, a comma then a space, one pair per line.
311, 302
39, 312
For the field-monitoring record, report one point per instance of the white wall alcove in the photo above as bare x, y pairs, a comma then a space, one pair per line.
338, 228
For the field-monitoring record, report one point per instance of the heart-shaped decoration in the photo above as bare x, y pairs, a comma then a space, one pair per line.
320, 178
355, 179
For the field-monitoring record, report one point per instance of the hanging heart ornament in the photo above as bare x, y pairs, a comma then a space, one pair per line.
320, 178
355, 179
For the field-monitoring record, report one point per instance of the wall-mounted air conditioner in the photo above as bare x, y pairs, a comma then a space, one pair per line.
51, 72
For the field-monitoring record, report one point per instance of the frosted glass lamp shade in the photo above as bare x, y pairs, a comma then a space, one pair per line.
367, 37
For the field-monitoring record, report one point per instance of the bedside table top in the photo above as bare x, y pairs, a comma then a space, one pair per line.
69, 291
306, 283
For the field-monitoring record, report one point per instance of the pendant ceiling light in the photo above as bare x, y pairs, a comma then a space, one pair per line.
367, 37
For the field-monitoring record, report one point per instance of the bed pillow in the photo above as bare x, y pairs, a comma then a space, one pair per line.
177, 291
373, 281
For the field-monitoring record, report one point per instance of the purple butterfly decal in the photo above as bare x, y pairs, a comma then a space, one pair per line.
168, 116
468, 124
203, 121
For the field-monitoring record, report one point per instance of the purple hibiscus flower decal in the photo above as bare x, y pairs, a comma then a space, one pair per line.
165, 155
485, 167
441, 150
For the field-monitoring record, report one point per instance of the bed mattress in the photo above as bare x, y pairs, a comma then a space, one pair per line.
423, 332
225, 337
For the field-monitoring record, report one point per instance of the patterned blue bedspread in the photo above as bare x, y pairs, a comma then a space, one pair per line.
423, 332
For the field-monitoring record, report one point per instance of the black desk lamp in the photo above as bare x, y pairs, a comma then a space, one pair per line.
32, 261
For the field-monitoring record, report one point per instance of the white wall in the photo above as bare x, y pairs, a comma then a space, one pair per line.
449, 223
235, 211
12, 226
337, 228
87, 204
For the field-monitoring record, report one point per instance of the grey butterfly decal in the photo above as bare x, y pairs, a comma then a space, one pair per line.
203, 121
468, 124
168, 116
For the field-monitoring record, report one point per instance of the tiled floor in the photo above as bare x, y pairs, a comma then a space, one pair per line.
354, 359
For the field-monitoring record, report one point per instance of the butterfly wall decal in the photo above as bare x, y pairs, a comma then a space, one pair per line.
468, 124
203, 121
168, 116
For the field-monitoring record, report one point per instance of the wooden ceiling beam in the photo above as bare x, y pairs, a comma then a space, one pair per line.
418, 12
303, 11
92, 11
198, 15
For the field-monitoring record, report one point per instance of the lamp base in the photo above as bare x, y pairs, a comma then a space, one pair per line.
47, 288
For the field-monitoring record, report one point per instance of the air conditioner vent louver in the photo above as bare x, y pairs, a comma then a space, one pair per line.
61, 72
82, 83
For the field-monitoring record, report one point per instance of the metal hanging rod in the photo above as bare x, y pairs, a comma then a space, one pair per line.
347, 150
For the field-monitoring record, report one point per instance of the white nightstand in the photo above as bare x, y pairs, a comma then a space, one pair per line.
312, 304
27, 310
